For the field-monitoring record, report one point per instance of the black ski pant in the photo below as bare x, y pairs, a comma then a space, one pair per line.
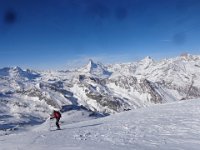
57, 123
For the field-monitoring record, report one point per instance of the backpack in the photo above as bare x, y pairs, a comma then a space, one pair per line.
57, 114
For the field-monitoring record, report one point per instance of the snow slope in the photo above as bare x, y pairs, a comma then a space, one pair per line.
173, 126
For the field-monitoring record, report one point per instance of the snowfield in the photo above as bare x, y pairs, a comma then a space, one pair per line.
172, 126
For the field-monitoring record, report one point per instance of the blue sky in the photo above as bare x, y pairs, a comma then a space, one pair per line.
57, 34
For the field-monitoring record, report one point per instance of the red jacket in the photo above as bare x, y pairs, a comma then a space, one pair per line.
56, 114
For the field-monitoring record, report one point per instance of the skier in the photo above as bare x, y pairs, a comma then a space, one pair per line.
57, 116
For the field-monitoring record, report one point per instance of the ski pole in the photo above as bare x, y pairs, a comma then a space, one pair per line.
49, 124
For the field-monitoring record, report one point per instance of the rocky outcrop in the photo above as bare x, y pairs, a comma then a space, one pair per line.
149, 87
34, 92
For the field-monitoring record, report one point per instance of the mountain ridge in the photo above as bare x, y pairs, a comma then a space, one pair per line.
105, 89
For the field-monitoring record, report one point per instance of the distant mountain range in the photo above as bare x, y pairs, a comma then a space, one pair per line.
105, 89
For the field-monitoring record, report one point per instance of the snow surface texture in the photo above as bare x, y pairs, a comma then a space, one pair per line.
173, 126
28, 97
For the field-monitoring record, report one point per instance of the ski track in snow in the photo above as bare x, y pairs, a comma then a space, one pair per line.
171, 126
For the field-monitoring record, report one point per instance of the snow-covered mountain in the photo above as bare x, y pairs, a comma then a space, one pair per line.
17, 72
28, 96
96, 69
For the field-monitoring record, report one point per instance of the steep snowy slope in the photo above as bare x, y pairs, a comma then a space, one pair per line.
171, 126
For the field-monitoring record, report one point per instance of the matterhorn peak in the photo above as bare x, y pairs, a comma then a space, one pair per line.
91, 61
148, 57
96, 69
147, 60
91, 65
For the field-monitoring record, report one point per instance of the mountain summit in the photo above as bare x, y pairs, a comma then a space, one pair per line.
17, 72
96, 69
